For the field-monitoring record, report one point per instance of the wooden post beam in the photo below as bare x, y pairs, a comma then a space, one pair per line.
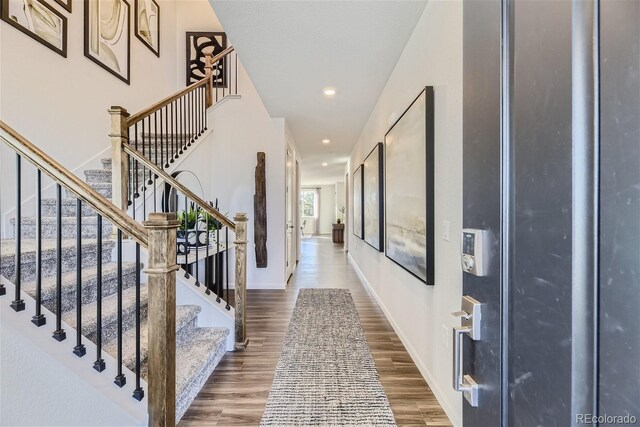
162, 318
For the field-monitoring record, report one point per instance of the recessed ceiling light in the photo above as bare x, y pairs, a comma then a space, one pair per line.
326, 141
329, 91
325, 164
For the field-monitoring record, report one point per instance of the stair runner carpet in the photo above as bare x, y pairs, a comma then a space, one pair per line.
198, 349
326, 374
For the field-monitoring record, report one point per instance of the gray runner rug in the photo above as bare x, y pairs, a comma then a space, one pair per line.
326, 374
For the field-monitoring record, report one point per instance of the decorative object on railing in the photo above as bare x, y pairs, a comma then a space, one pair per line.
260, 213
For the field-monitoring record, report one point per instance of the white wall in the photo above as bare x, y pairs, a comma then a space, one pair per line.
241, 128
340, 200
61, 104
421, 314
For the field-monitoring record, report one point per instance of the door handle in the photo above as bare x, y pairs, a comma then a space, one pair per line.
471, 317
463, 383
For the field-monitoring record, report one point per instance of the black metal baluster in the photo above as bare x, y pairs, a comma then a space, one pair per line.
179, 126
79, 350
204, 113
144, 170
38, 319
226, 260
170, 133
144, 195
161, 165
138, 393
217, 262
59, 334
99, 364
207, 266
165, 137
136, 167
190, 118
155, 133
197, 112
18, 303
120, 379
186, 236
197, 246
150, 157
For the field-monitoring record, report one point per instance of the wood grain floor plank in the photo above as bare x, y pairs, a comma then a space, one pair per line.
237, 391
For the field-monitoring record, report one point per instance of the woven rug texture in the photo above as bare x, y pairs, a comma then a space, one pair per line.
326, 375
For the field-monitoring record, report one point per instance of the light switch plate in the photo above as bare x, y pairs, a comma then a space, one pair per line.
446, 228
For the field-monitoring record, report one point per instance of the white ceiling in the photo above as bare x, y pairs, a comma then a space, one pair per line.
294, 49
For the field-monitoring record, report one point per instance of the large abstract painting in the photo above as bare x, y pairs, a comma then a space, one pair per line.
409, 189
372, 190
147, 24
107, 39
39, 21
358, 208
198, 45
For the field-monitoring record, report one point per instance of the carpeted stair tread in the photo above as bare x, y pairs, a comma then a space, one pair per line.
49, 256
68, 204
89, 283
196, 358
185, 316
69, 227
110, 314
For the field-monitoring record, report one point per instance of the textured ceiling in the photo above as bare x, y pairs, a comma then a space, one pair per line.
294, 49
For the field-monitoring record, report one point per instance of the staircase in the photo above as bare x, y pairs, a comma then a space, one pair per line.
198, 349
70, 266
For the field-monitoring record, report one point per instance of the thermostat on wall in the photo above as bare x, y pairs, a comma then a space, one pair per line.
475, 251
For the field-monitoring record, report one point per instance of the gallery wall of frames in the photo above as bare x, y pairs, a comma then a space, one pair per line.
393, 191
108, 25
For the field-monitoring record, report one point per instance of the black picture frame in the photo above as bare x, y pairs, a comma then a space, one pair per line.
87, 52
4, 15
358, 181
375, 157
429, 165
137, 29
66, 5
213, 41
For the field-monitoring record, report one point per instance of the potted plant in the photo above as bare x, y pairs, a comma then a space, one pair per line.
188, 231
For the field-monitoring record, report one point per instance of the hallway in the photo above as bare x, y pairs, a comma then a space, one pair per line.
237, 391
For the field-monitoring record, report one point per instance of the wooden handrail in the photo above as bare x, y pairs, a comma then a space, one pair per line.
174, 183
71, 182
137, 117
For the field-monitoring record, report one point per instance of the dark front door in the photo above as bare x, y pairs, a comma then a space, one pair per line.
552, 174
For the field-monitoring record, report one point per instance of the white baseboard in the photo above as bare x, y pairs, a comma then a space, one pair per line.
276, 286
454, 417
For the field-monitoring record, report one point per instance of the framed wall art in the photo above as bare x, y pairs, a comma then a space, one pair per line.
66, 4
107, 39
147, 24
358, 208
198, 45
409, 189
37, 20
372, 193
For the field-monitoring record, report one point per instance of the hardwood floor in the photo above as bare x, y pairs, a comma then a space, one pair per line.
236, 393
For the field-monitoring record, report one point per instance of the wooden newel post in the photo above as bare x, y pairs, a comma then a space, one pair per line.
208, 73
161, 273
119, 159
241, 280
